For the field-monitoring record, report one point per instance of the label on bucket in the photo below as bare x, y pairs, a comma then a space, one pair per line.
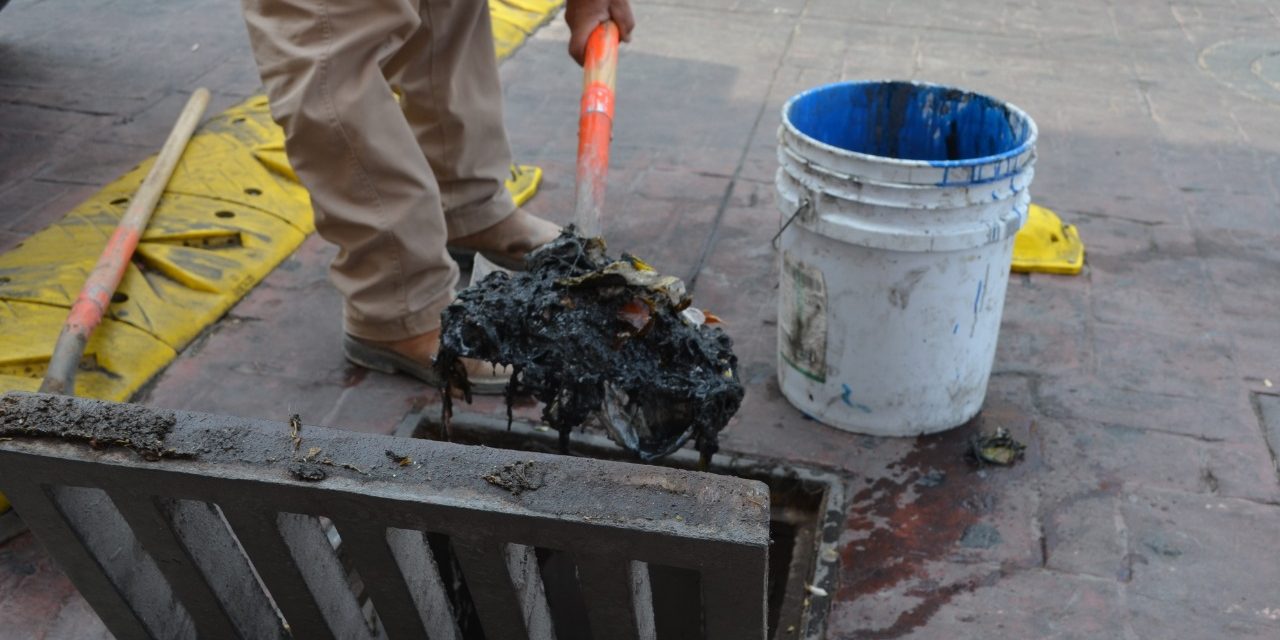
802, 318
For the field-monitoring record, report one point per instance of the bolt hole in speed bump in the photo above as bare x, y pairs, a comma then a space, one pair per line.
900, 202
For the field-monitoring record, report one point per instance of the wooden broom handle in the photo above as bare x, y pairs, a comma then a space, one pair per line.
90, 306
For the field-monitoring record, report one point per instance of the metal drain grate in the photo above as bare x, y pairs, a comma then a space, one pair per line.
243, 528
807, 510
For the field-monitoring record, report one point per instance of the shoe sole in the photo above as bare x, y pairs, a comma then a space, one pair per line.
390, 362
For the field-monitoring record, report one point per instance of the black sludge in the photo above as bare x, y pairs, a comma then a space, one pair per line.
591, 337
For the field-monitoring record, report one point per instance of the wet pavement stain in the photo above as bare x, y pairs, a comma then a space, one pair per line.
931, 505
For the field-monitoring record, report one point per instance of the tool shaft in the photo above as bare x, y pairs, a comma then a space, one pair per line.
595, 126
90, 306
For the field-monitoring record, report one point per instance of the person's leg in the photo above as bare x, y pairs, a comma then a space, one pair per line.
373, 191
448, 75
452, 97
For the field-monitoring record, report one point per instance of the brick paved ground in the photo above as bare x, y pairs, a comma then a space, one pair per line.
1148, 503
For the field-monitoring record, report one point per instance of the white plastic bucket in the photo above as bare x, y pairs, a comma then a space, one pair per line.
899, 206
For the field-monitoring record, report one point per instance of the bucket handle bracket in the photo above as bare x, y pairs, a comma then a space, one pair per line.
805, 206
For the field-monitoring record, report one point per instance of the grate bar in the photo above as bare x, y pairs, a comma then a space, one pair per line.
262, 541
155, 533
104, 531
60, 538
208, 540
407, 592
412, 553
504, 582
621, 603
322, 570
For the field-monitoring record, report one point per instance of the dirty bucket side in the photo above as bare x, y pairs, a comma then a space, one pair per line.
892, 279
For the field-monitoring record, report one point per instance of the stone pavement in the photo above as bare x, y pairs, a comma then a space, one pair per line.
1148, 501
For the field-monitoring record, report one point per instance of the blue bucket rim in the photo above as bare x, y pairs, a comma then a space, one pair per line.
1026, 145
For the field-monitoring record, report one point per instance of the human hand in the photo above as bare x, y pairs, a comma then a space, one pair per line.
583, 16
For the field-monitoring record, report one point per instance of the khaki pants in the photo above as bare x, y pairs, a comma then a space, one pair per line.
390, 181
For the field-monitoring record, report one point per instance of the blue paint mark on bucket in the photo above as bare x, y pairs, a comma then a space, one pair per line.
943, 126
847, 397
977, 297
955, 329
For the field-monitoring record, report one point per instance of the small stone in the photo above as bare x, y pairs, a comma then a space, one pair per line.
1157, 543
932, 478
980, 536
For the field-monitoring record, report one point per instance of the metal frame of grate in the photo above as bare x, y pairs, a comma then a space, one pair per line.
222, 536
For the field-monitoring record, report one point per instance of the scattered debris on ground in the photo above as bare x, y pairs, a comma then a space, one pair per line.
403, 461
997, 448
932, 478
517, 477
309, 466
295, 430
593, 337
101, 425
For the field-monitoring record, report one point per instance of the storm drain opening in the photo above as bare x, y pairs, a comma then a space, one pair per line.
807, 508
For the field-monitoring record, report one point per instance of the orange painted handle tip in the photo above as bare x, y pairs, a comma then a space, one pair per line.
605, 35
595, 125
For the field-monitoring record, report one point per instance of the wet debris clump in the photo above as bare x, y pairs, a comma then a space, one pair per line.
593, 337
101, 425
997, 448
307, 471
517, 477
398, 459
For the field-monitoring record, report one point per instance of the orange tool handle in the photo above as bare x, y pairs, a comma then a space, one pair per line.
595, 126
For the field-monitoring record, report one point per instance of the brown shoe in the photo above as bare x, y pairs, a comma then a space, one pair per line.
506, 243
401, 357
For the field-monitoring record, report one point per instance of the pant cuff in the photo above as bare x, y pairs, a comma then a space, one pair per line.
415, 324
474, 218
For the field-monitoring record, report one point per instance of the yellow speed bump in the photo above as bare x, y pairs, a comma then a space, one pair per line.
1046, 245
